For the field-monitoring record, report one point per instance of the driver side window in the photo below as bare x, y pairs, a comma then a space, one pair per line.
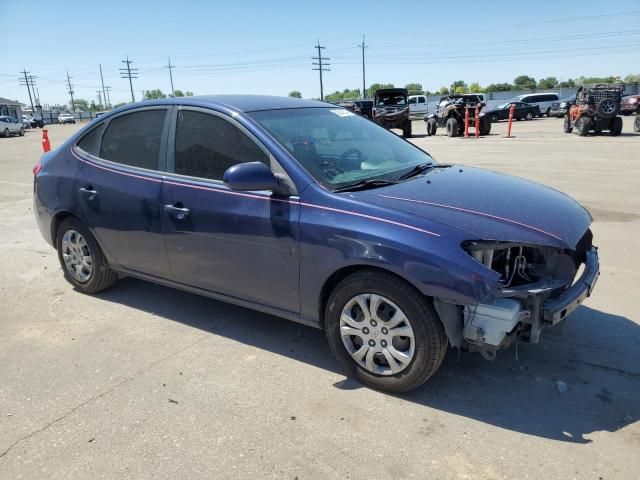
207, 145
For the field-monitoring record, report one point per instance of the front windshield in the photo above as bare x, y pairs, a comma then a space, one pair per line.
339, 148
387, 100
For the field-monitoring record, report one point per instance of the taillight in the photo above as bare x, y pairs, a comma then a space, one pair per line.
37, 168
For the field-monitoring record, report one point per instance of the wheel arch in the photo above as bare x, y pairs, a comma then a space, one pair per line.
56, 220
336, 277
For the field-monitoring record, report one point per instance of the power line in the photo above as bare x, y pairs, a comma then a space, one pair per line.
73, 105
170, 67
364, 88
107, 89
321, 66
129, 73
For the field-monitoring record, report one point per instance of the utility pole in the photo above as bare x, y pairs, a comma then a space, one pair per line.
321, 63
107, 89
73, 105
129, 73
27, 83
99, 99
364, 88
104, 93
169, 66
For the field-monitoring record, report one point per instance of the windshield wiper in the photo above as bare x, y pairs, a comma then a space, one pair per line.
417, 170
365, 184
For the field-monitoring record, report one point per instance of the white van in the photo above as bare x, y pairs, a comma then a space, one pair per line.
543, 100
417, 104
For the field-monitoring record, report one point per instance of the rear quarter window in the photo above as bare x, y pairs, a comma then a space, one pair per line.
87, 142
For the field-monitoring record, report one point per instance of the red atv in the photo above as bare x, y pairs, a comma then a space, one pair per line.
595, 110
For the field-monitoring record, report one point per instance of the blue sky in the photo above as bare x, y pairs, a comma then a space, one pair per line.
266, 46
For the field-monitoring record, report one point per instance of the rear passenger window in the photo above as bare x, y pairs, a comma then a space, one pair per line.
206, 145
134, 139
421, 100
88, 141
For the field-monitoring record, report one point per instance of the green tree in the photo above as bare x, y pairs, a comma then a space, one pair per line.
549, 82
177, 93
633, 78
460, 89
377, 86
524, 82
443, 90
567, 84
121, 104
154, 94
414, 88
475, 87
499, 87
295, 94
81, 104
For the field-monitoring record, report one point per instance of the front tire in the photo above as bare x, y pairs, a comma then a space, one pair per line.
432, 126
406, 131
21, 132
82, 261
452, 127
7, 133
567, 125
384, 332
529, 116
636, 123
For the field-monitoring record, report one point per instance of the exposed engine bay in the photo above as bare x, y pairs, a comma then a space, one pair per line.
539, 286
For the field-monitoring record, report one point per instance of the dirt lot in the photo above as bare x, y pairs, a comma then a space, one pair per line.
143, 381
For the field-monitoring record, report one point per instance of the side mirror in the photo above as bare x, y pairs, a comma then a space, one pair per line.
250, 176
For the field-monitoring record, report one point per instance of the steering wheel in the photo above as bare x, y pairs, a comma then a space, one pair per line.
351, 159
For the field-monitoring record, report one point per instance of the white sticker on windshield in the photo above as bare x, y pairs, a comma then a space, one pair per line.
342, 112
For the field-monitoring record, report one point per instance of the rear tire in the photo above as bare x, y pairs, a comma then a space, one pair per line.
7, 133
21, 132
583, 125
529, 116
452, 127
485, 126
616, 126
82, 261
494, 118
636, 124
415, 357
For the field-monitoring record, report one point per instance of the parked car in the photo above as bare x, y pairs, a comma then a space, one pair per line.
417, 104
366, 107
595, 110
10, 126
451, 113
561, 108
31, 122
351, 106
542, 100
523, 111
630, 104
304, 210
66, 118
391, 109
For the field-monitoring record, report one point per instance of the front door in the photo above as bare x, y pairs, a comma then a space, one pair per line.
120, 189
240, 244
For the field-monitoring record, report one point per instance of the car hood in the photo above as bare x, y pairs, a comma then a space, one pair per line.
487, 205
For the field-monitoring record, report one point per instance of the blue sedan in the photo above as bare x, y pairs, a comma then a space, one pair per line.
304, 210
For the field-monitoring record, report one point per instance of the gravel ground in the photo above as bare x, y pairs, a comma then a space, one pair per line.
147, 382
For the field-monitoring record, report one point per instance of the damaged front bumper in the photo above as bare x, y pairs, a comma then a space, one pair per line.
526, 310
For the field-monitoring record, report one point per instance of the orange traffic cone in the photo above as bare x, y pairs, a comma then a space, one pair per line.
46, 144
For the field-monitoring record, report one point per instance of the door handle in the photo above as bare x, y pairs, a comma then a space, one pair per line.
89, 192
177, 212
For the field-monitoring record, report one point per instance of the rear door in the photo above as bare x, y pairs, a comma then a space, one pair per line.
239, 244
120, 187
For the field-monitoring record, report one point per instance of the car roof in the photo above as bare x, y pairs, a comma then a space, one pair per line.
240, 103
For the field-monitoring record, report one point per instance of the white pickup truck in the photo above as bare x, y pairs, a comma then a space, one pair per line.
417, 104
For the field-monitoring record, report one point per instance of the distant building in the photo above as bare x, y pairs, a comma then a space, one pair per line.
11, 108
